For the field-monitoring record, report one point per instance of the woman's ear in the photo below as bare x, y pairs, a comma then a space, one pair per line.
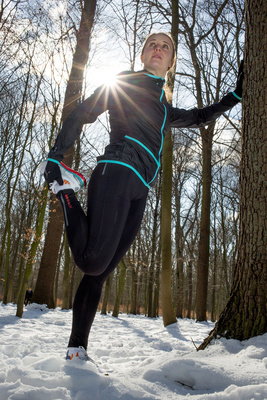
172, 64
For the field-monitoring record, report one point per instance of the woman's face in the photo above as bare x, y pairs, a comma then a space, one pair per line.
157, 56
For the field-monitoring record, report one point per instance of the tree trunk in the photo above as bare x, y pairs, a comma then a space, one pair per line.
122, 269
190, 288
44, 289
66, 276
245, 314
151, 271
135, 271
45, 283
204, 239
134, 274
57, 277
214, 273
155, 312
107, 294
168, 313
224, 245
11, 294
32, 252
179, 255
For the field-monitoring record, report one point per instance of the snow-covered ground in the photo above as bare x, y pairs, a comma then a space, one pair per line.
141, 359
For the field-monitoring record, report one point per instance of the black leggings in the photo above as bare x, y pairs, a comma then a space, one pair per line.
98, 241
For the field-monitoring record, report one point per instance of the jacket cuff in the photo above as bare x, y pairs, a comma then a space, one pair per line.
238, 98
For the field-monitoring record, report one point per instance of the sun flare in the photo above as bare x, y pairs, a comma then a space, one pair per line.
104, 75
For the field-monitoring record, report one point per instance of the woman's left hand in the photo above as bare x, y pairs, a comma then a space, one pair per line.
239, 82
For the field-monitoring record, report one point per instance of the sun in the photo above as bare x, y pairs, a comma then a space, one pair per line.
104, 75
110, 78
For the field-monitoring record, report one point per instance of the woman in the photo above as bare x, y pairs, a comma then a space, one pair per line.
139, 119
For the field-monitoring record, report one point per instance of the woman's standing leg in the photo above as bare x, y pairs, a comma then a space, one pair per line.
89, 291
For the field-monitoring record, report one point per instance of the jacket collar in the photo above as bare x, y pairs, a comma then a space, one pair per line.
160, 81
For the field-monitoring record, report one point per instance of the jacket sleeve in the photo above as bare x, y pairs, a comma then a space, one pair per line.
195, 118
86, 112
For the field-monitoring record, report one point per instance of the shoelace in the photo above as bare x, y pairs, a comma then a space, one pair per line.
53, 185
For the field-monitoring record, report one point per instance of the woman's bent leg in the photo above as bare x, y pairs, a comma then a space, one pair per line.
94, 239
76, 223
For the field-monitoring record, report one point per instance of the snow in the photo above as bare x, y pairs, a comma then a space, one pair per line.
137, 358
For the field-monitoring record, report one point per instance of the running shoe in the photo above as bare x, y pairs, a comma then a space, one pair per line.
71, 179
77, 353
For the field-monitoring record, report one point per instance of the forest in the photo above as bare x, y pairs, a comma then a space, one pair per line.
38, 43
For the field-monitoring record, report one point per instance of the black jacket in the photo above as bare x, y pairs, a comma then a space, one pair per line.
139, 119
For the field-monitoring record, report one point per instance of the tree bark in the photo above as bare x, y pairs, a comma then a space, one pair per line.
122, 277
66, 276
245, 314
32, 252
151, 271
155, 311
190, 289
107, 294
44, 291
168, 313
204, 239
179, 256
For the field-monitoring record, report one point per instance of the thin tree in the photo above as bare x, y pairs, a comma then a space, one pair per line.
245, 314
121, 285
107, 292
154, 242
168, 313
